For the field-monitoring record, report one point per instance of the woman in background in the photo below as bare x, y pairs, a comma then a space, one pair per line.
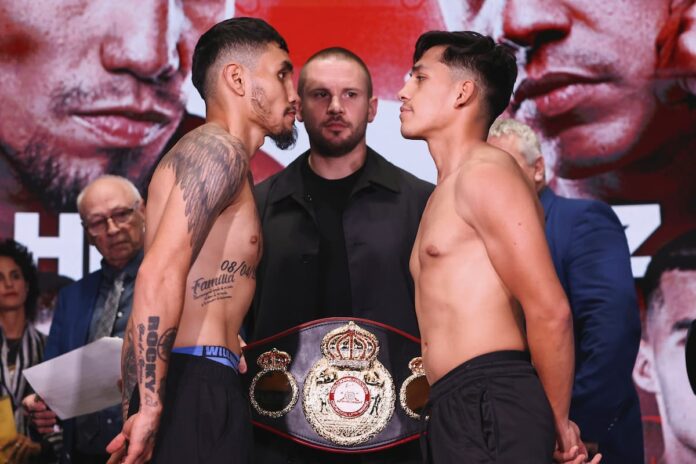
21, 346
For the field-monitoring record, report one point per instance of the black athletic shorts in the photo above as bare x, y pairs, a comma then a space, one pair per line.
491, 409
206, 417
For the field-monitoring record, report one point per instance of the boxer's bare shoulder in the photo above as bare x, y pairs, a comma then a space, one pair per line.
484, 164
209, 167
490, 182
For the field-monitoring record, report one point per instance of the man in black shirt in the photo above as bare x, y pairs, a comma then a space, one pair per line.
330, 197
338, 227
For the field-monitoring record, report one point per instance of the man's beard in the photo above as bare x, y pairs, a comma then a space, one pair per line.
323, 147
285, 138
57, 180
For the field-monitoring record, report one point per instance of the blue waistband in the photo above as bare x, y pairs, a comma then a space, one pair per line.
219, 354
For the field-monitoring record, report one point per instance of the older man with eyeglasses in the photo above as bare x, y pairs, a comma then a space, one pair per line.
99, 305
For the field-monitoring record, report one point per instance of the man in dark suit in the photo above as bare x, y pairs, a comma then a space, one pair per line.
591, 257
96, 306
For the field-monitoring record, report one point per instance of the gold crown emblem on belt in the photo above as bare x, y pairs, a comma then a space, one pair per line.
273, 380
350, 346
274, 360
348, 395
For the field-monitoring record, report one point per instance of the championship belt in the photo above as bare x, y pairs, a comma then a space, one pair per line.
337, 384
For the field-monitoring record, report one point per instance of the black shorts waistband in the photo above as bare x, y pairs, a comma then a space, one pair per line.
474, 367
184, 365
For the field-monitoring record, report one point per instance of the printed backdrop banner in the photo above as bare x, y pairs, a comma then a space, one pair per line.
93, 87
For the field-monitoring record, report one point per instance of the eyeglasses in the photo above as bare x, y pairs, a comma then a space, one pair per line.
119, 217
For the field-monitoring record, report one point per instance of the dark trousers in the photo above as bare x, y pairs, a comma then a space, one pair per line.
205, 418
491, 409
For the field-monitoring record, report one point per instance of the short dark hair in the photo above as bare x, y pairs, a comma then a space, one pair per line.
679, 254
25, 261
249, 33
493, 64
335, 52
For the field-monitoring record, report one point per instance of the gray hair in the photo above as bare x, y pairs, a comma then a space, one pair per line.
529, 142
122, 180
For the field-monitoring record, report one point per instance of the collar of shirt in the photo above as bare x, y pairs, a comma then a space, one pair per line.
131, 269
377, 171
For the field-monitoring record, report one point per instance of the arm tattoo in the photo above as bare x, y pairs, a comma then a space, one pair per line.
156, 347
141, 352
150, 401
165, 344
210, 168
129, 376
151, 352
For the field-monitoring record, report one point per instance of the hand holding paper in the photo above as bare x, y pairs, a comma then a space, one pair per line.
82, 381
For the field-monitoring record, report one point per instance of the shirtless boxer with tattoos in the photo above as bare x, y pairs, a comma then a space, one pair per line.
202, 246
487, 297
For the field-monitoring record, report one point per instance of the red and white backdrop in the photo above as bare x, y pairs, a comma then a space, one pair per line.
94, 86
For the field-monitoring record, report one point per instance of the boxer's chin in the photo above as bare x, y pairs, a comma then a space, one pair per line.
410, 134
286, 138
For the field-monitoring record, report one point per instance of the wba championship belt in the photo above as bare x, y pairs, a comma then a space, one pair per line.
341, 385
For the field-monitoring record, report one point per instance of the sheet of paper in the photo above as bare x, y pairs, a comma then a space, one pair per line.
81, 381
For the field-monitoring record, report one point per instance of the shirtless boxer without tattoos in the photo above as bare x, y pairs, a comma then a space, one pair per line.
479, 258
202, 246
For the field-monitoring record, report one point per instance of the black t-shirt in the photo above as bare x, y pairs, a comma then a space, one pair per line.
330, 198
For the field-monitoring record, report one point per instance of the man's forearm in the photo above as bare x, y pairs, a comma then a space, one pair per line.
154, 345
157, 307
551, 347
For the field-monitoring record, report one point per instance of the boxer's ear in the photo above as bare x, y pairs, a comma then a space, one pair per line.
644, 370
233, 77
466, 90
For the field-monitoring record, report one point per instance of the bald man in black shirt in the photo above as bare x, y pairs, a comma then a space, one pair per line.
338, 223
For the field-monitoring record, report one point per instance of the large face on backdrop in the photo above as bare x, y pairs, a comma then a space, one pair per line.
660, 368
93, 86
101, 86
588, 75
608, 84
